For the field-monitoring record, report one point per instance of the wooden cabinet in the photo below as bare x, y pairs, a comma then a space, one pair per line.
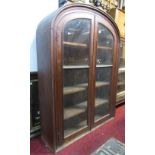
119, 17
120, 98
78, 56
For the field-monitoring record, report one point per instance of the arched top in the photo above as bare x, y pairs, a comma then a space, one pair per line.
85, 7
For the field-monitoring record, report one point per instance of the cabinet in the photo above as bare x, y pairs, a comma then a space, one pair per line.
77, 48
120, 98
119, 17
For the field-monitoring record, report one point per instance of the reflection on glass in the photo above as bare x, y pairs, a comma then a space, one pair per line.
105, 46
75, 77
104, 61
76, 42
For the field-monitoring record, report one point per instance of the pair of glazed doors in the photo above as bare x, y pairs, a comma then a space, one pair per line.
87, 60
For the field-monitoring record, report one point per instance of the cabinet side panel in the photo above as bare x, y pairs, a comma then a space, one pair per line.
43, 39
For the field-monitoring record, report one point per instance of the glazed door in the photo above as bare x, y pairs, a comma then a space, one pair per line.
75, 62
86, 73
105, 63
121, 75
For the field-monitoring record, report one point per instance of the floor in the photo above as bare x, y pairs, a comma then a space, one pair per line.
90, 142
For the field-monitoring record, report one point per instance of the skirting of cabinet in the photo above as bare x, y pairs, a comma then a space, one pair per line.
77, 138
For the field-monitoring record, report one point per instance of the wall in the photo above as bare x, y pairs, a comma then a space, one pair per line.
41, 9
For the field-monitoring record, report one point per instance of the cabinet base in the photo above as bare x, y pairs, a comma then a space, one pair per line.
55, 150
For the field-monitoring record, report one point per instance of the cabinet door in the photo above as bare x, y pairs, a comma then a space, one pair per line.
74, 60
104, 64
78, 57
105, 75
76, 64
121, 75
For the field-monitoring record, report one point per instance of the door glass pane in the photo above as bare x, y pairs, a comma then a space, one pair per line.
75, 74
76, 42
104, 63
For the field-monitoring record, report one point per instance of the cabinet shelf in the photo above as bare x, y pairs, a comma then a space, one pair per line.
72, 90
121, 70
104, 47
81, 108
74, 44
99, 101
101, 83
81, 87
120, 83
78, 30
98, 84
71, 130
75, 110
71, 113
75, 66
120, 95
103, 66
84, 45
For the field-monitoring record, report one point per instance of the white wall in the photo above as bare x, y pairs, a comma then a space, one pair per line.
18, 23
41, 8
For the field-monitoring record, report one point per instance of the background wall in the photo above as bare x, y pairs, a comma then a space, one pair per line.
19, 20
41, 9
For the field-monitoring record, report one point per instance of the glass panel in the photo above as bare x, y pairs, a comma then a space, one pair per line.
75, 78
121, 74
104, 65
76, 42
104, 46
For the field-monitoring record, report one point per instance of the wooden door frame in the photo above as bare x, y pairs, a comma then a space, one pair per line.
73, 14
112, 99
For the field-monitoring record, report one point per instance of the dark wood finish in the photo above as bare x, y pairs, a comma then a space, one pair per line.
50, 45
119, 17
46, 76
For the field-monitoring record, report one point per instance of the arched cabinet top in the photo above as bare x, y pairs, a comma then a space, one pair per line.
67, 9
54, 18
